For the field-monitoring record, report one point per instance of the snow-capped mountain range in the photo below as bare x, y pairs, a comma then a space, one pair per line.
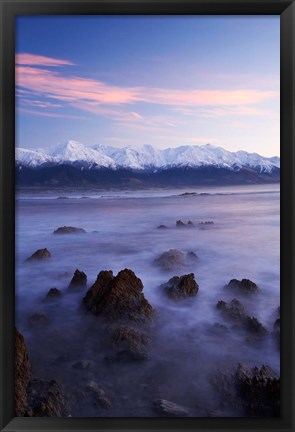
143, 158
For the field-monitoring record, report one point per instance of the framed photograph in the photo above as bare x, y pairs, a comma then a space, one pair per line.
147, 240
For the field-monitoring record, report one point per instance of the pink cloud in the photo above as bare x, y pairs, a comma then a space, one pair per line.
37, 60
49, 114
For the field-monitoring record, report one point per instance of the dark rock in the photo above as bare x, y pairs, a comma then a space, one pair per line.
53, 294
68, 230
40, 254
206, 222
100, 395
235, 311
244, 286
190, 223
48, 399
188, 193
277, 331
170, 409
259, 389
82, 365
180, 224
180, 287
162, 227
22, 375
79, 280
118, 298
62, 197
38, 319
192, 256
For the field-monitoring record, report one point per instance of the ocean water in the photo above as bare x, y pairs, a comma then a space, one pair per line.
121, 232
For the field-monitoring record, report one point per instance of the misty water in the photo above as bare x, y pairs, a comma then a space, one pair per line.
121, 232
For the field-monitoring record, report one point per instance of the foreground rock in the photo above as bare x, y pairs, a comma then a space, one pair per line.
243, 286
79, 280
174, 259
99, 394
180, 287
259, 389
235, 311
255, 392
22, 375
48, 399
68, 230
170, 409
118, 298
40, 254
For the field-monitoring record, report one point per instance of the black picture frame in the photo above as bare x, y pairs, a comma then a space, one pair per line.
10, 9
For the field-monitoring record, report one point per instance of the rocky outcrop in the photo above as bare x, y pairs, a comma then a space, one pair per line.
118, 298
22, 375
40, 254
170, 409
180, 224
180, 287
69, 230
243, 286
162, 227
235, 311
79, 280
48, 399
175, 259
53, 294
259, 389
255, 392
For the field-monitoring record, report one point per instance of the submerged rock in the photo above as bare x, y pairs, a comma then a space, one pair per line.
174, 259
235, 311
259, 389
38, 319
53, 294
100, 395
68, 230
180, 224
129, 344
243, 286
162, 227
180, 287
79, 280
40, 254
170, 409
118, 298
48, 399
22, 375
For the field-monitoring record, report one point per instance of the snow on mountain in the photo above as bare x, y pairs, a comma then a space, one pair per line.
145, 157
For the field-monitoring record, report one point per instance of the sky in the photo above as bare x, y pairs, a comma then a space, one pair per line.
161, 80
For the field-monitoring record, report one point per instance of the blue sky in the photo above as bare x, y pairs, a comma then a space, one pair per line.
165, 81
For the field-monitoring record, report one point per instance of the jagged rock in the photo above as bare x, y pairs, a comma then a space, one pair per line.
259, 389
206, 223
22, 374
38, 319
170, 409
128, 344
235, 311
99, 394
82, 365
40, 254
68, 230
48, 399
174, 259
118, 298
162, 227
243, 286
190, 223
53, 294
180, 224
180, 287
79, 280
